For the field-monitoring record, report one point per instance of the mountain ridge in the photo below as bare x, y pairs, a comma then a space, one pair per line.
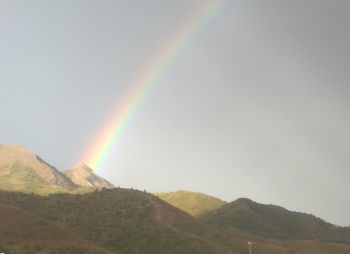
131, 221
23, 170
275, 221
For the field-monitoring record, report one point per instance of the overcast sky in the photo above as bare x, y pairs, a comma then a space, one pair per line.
257, 105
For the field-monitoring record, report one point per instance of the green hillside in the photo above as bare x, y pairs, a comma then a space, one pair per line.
193, 203
275, 222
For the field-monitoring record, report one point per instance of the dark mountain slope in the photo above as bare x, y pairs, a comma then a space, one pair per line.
275, 222
135, 222
122, 220
21, 232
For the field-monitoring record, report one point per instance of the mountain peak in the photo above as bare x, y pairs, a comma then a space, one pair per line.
83, 175
84, 167
16, 150
23, 170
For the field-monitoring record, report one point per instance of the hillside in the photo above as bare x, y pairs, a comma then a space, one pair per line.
275, 222
22, 170
134, 222
122, 220
80, 214
193, 203
82, 175
21, 232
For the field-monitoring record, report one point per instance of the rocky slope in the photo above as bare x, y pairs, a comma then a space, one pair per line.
22, 170
82, 175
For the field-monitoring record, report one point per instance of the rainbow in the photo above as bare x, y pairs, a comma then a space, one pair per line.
111, 134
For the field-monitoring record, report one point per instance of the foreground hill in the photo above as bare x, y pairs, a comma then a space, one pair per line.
22, 170
134, 222
275, 222
122, 220
193, 203
21, 232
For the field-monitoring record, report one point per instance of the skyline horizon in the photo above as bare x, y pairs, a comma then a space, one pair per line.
227, 200
255, 105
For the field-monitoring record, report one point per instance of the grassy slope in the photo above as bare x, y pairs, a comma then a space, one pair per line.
193, 203
21, 232
24, 179
275, 222
22, 170
228, 220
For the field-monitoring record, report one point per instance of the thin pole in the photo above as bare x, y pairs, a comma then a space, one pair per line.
250, 247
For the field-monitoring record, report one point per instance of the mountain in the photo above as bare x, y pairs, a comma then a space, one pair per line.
135, 222
82, 175
193, 203
84, 214
22, 170
275, 222
122, 220
22, 232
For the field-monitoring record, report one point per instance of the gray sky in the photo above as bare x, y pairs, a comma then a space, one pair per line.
256, 106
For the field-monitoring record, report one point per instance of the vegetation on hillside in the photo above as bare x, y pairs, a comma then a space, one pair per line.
24, 233
72, 219
133, 222
121, 220
193, 203
275, 222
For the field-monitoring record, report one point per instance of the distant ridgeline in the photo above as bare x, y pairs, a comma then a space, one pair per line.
75, 218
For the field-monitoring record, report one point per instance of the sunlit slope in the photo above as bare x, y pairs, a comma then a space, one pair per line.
21, 232
84, 176
22, 170
275, 222
193, 203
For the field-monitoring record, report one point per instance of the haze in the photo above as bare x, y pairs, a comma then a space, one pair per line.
256, 106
